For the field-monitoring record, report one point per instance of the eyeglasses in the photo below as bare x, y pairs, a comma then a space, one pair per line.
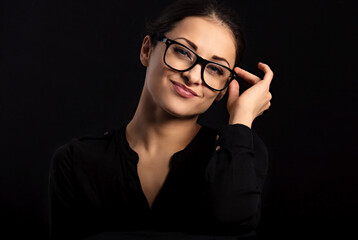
180, 58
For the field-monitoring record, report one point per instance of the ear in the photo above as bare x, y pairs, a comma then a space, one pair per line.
146, 50
220, 95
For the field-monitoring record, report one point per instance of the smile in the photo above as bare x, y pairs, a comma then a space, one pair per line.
183, 91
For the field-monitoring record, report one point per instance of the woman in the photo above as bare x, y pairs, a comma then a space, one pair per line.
163, 171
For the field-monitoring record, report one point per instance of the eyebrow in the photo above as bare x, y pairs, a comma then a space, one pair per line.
195, 48
221, 59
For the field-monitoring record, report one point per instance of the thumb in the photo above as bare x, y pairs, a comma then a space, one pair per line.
234, 91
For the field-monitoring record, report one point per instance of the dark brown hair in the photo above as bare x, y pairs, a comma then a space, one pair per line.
181, 9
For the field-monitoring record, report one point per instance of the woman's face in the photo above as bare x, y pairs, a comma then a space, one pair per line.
168, 88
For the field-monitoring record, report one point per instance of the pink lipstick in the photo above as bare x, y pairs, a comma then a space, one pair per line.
183, 91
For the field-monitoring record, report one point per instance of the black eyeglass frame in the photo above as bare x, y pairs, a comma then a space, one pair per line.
199, 60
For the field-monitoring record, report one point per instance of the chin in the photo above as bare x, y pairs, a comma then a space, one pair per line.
182, 111
182, 114
179, 110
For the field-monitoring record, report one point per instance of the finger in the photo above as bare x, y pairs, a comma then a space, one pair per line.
268, 72
234, 91
247, 76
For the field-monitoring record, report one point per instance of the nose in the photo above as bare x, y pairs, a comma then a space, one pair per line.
193, 76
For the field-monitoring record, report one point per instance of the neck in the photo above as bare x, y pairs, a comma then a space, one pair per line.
154, 130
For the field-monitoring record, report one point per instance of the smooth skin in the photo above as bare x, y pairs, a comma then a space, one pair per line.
165, 122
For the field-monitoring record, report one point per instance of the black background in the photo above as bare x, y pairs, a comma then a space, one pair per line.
71, 68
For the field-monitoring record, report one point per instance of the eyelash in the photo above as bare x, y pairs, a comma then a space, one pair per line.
182, 52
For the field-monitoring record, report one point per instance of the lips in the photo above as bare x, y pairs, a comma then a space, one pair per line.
183, 91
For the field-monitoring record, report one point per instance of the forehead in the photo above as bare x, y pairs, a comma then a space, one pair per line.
211, 37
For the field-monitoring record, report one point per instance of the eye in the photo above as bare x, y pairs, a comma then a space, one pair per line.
216, 70
183, 52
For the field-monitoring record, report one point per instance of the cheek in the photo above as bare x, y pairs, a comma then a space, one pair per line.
209, 94
155, 72
208, 99
155, 66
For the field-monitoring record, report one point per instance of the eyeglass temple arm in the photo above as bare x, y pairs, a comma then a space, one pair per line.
234, 75
160, 37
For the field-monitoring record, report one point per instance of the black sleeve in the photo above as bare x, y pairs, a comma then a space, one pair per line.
235, 177
61, 195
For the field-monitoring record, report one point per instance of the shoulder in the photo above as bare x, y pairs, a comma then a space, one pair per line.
94, 141
83, 148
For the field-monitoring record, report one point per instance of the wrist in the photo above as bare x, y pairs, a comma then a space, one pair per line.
245, 120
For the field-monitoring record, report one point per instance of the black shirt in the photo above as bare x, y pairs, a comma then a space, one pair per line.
213, 186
